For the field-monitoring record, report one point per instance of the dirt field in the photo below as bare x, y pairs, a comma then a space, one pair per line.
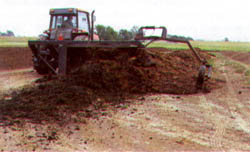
15, 68
37, 119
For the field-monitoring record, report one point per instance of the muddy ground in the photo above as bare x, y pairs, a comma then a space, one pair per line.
43, 116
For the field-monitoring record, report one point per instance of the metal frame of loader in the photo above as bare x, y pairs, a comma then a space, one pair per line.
63, 46
140, 37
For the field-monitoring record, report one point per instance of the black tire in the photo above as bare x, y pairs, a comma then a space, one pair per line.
200, 78
40, 66
41, 70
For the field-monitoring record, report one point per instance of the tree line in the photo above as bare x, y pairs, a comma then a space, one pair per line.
8, 33
108, 33
181, 37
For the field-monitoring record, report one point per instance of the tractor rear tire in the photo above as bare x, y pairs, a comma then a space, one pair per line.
41, 70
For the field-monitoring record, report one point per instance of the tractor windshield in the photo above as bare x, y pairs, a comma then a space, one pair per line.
63, 21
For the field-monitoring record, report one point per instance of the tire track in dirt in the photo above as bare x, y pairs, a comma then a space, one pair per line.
242, 108
220, 124
233, 104
16, 78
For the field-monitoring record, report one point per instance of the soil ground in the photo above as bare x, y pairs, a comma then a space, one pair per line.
218, 120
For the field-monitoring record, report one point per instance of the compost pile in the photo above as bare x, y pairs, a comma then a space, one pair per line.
106, 78
135, 71
140, 71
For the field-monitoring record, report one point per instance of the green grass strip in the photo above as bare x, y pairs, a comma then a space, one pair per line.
207, 45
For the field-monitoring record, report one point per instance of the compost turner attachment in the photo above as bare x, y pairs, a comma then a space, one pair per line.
150, 34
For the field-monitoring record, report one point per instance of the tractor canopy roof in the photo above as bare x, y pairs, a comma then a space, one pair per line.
68, 11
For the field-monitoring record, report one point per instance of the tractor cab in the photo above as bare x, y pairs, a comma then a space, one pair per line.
69, 24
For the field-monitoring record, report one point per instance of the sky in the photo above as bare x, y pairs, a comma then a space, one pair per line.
200, 19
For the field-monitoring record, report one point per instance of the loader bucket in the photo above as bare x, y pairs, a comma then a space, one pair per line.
67, 54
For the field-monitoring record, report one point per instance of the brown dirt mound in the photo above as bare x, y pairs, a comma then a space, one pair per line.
103, 81
15, 58
143, 71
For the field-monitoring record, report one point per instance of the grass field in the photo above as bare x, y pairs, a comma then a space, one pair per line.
207, 45
15, 41
203, 45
